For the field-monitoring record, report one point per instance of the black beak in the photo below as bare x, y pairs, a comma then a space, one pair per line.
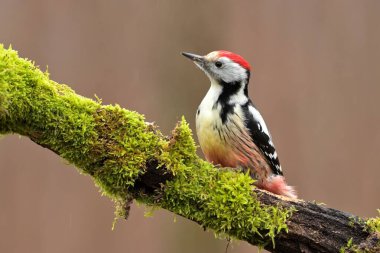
194, 57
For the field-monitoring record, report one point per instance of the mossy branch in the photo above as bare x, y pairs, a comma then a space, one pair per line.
128, 158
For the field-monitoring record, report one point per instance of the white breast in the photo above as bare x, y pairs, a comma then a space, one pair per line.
208, 119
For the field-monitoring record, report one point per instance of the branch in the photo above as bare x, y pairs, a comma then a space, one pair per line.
128, 158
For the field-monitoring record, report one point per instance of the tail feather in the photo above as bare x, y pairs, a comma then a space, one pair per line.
277, 185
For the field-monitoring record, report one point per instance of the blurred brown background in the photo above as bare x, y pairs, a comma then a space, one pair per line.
316, 80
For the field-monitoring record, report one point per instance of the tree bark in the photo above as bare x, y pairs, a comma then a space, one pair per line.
313, 228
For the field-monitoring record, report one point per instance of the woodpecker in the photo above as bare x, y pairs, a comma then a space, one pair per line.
230, 129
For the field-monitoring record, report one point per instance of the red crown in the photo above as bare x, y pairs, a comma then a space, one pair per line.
235, 58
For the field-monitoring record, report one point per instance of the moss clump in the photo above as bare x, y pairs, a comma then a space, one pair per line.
3, 89
124, 145
219, 199
42, 109
107, 142
372, 225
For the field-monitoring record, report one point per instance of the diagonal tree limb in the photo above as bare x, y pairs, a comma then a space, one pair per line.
128, 158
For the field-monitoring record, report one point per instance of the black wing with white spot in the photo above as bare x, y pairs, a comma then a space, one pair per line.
261, 136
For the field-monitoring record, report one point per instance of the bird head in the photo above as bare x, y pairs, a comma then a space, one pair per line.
222, 67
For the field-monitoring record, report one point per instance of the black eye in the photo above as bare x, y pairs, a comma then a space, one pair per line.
218, 64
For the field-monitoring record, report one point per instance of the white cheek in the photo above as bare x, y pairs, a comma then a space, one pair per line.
232, 72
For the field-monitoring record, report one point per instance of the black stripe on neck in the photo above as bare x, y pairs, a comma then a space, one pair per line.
229, 89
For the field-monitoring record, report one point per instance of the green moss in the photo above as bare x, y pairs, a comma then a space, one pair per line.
125, 143
352, 248
42, 109
222, 200
373, 224
113, 145
107, 142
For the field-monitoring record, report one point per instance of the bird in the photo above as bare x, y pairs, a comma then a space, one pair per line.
231, 131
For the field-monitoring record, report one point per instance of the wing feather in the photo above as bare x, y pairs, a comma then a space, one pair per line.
261, 137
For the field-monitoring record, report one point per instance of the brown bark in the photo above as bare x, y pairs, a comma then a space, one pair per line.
316, 228
312, 228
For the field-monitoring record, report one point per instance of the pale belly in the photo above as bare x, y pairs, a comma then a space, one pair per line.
216, 150
229, 144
